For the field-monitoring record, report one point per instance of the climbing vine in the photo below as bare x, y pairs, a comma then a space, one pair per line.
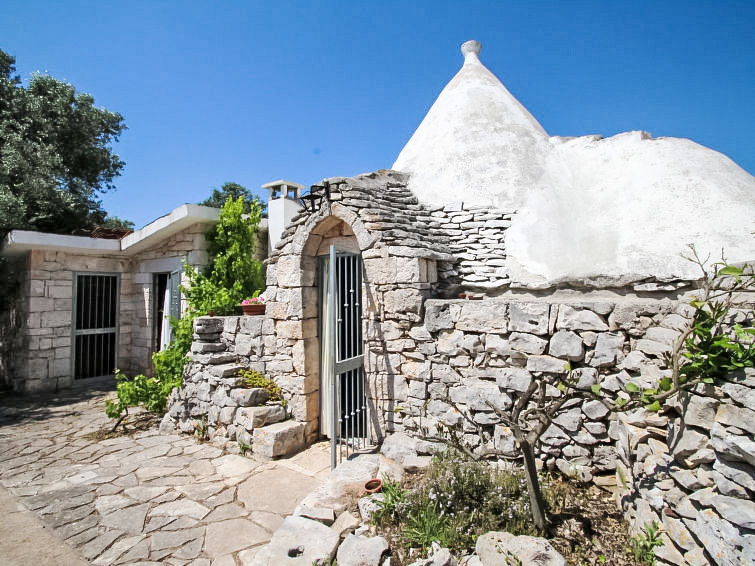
232, 275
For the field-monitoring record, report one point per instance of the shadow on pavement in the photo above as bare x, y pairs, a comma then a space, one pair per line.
18, 408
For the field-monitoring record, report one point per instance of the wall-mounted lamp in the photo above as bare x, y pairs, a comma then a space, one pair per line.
312, 201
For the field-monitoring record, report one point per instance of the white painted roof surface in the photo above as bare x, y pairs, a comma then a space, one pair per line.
19, 241
476, 138
589, 209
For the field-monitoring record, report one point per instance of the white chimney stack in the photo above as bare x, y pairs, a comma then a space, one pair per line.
282, 205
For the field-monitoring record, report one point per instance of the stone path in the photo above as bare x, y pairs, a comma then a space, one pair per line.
145, 500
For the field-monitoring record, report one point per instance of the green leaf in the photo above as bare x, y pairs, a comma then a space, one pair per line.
595, 388
632, 387
620, 402
664, 384
655, 406
730, 270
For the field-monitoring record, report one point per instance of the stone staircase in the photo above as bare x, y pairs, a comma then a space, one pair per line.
214, 402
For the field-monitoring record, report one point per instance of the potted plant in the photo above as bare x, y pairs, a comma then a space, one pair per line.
253, 305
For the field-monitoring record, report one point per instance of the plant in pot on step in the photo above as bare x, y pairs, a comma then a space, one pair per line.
253, 305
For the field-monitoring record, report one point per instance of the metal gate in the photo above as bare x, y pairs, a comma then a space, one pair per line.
95, 324
343, 386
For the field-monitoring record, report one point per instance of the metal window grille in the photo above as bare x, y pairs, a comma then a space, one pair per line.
95, 324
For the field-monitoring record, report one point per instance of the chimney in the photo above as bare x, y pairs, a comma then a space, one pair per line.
282, 205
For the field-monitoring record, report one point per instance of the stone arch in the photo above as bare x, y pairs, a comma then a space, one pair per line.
293, 306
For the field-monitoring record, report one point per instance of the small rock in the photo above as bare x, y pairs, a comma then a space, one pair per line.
738, 511
345, 524
369, 504
309, 542
413, 464
595, 410
398, 445
493, 547
361, 551
737, 472
688, 443
438, 557
566, 344
700, 411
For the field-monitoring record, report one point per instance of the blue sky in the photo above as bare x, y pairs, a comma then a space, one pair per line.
255, 91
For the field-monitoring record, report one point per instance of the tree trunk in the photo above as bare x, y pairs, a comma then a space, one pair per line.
533, 485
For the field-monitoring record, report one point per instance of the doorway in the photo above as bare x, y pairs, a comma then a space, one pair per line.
95, 324
343, 395
166, 304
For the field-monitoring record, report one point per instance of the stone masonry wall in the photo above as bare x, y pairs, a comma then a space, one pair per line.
476, 237
472, 352
213, 396
45, 364
13, 339
694, 474
189, 244
45, 312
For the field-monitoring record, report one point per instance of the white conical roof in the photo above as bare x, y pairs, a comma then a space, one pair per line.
587, 208
476, 138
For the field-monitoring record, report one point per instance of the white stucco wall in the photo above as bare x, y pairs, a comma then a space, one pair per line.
587, 208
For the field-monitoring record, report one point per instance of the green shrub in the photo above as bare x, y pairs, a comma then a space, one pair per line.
234, 273
455, 502
150, 392
644, 543
251, 378
426, 523
391, 508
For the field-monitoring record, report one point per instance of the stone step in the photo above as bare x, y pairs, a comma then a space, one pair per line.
225, 370
250, 397
207, 347
252, 418
279, 439
213, 359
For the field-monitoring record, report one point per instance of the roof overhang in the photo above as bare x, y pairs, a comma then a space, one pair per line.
168, 225
21, 241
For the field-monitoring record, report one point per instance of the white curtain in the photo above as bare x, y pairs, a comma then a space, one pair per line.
165, 330
326, 352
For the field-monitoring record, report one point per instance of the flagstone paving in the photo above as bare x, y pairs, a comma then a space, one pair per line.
145, 499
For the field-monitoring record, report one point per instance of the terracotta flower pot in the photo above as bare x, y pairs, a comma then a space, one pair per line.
254, 308
373, 486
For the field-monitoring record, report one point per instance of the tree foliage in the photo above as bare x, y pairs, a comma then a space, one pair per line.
233, 191
234, 274
115, 222
55, 154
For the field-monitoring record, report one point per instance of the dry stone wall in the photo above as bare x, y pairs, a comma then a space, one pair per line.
213, 399
694, 474
476, 236
466, 354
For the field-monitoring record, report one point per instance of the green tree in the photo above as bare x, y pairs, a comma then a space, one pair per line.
234, 273
115, 222
55, 154
233, 191
55, 158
